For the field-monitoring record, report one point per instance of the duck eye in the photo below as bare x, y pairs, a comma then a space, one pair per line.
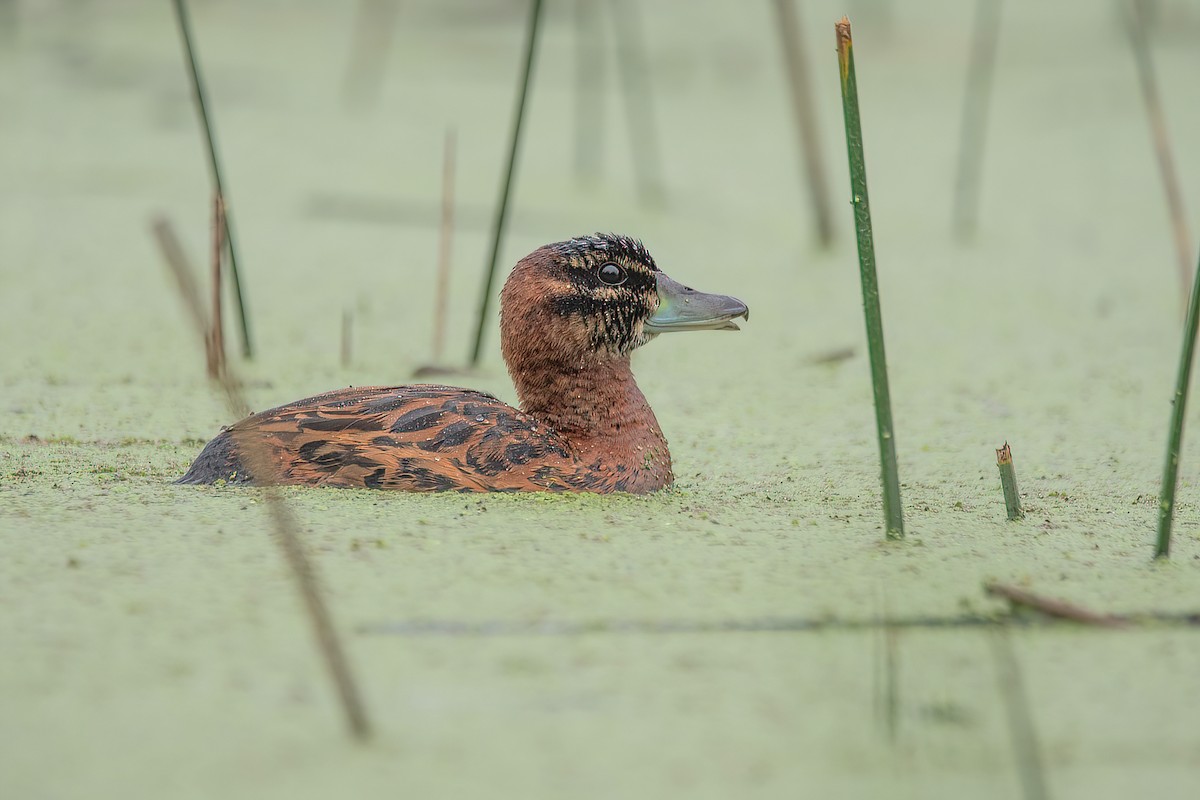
611, 274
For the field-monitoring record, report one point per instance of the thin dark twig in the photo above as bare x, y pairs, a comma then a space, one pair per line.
1052, 607
1162, 144
796, 68
214, 165
1021, 729
976, 103
634, 69
501, 221
287, 528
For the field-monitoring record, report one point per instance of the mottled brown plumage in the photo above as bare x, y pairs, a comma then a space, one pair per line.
571, 314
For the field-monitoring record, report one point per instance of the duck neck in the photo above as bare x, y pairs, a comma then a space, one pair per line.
599, 409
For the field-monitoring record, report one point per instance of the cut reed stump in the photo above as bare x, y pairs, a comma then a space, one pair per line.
892, 511
1166, 500
1008, 482
287, 529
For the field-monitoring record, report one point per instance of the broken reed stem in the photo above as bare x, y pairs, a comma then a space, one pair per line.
501, 221
258, 461
214, 165
796, 68
589, 90
634, 68
1051, 607
976, 103
1166, 500
1162, 143
347, 336
892, 511
216, 336
1008, 482
445, 242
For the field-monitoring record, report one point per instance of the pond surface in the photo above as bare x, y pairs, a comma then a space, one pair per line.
583, 646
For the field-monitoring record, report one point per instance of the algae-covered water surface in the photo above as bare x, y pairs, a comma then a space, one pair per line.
747, 632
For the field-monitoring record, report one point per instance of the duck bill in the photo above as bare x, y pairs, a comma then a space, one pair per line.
681, 308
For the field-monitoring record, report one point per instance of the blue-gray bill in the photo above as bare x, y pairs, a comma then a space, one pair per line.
681, 308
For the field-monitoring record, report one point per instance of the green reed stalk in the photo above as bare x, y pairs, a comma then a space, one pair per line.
500, 224
214, 165
1166, 500
892, 511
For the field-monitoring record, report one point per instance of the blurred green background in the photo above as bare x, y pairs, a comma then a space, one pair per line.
154, 645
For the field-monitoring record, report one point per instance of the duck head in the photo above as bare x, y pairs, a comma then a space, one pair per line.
598, 298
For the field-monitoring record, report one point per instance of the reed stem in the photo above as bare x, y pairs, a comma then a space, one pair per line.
214, 165
1008, 482
892, 511
1162, 142
501, 221
1166, 500
216, 337
796, 68
976, 103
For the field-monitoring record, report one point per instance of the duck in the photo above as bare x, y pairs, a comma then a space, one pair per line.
571, 315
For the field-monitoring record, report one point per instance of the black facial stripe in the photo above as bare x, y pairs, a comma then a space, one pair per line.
618, 301
611, 322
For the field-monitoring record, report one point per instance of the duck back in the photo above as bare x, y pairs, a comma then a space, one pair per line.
422, 438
